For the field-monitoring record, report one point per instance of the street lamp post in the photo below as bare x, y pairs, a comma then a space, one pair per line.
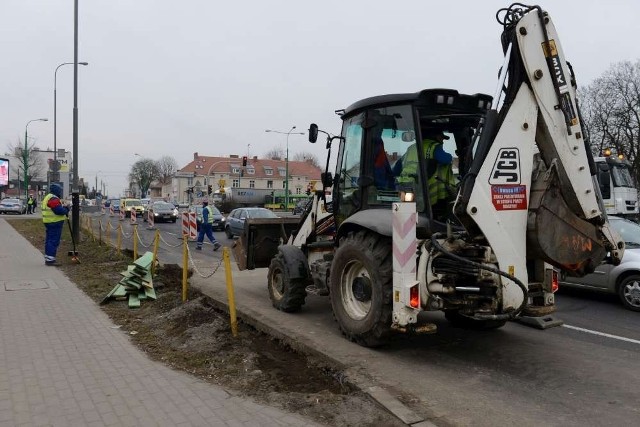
286, 163
55, 129
25, 156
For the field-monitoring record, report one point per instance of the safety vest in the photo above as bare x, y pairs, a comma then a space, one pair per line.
48, 216
440, 176
210, 216
30, 201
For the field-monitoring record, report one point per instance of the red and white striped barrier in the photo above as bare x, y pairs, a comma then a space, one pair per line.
189, 225
133, 217
150, 218
123, 213
193, 226
112, 210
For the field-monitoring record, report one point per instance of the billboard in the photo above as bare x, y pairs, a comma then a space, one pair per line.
4, 172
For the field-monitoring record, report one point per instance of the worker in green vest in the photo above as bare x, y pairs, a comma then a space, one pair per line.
54, 213
440, 178
30, 202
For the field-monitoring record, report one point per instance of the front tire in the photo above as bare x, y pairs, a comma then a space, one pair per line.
629, 292
361, 288
228, 232
464, 322
286, 294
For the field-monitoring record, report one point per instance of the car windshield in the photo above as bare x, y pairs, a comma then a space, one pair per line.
216, 211
163, 205
133, 202
629, 231
12, 201
260, 213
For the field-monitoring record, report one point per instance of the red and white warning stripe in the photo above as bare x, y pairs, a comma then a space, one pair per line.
193, 226
406, 287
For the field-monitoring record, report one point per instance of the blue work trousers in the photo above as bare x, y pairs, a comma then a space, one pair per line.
52, 239
205, 229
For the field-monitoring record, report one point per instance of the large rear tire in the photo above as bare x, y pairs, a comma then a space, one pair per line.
464, 322
286, 294
362, 286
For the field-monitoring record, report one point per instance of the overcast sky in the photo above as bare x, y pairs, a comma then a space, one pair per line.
178, 77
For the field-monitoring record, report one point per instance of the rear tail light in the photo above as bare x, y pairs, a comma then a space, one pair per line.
414, 297
555, 281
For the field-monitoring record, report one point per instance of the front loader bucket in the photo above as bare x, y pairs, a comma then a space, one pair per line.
260, 240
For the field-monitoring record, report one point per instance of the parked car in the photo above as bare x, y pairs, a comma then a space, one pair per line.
218, 219
237, 217
132, 204
622, 279
116, 205
16, 206
162, 212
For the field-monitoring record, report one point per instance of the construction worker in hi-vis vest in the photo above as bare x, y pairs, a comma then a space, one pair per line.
440, 178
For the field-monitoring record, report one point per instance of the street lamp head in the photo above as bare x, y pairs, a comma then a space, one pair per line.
83, 63
44, 120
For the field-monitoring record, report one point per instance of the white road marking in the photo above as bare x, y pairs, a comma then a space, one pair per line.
602, 334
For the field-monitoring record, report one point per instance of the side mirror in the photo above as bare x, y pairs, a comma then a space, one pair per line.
327, 179
313, 132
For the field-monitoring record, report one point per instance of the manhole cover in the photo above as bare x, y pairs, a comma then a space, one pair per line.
25, 285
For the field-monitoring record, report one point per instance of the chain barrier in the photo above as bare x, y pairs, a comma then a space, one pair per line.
125, 235
195, 268
169, 244
141, 242
120, 230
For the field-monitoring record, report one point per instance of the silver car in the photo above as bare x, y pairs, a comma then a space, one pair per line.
15, 206
623, 279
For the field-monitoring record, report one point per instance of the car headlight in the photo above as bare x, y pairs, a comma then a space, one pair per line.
156, 214
223, 219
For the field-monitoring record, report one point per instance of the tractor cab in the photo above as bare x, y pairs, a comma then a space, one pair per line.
388, 153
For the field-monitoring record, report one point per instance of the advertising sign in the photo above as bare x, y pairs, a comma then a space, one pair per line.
4, 172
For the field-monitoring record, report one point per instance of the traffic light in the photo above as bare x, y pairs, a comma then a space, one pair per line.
209, 189
244, 160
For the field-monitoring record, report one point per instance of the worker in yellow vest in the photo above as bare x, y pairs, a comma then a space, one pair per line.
54, 213
440, 178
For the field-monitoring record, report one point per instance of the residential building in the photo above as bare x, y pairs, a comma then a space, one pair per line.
259, 177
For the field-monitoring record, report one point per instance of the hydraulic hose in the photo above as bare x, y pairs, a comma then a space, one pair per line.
505, 316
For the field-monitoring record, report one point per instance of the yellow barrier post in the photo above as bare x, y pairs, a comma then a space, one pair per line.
135, 241
230, 295
108, 233
185, 265
119, 239
156, 243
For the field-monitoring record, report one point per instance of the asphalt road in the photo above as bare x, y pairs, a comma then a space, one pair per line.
581, 374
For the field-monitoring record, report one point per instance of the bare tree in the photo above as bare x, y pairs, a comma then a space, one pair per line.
33, 160
167, 167
143, 173
611, 112
276, 153
306, 157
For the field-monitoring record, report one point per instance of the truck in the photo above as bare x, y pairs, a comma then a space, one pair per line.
617, 187
525, 208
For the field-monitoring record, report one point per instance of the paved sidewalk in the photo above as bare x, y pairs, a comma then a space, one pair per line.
63, 363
